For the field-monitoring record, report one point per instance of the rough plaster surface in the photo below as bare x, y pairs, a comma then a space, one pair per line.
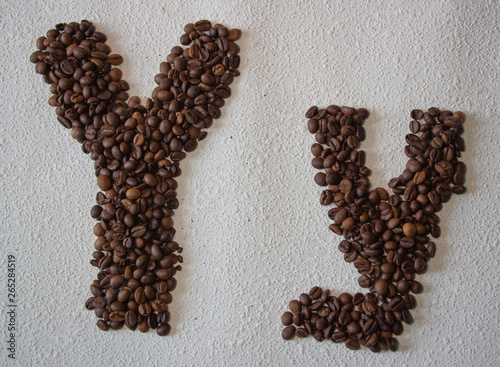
253, 231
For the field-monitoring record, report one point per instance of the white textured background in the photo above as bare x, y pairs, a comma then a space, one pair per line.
250, 222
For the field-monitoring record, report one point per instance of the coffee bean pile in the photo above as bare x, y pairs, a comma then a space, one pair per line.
136, 150
386, 237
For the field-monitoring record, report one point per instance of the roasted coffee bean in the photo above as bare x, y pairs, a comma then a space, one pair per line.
326, 197
287, 318
300, 333
298, 319
117, 316
295, 306
315, 293
344, 246
352, 344
414, 126
163, 329
234, 35
321, 323
304, 299
288, 332
131, 319
344, 318
339, 336
101, 324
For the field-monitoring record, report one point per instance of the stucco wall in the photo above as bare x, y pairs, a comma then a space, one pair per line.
253, 232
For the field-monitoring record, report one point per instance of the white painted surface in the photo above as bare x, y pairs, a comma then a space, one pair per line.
253, 231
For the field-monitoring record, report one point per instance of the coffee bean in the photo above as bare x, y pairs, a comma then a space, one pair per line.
339, 336
133, 193
370, 326
419, 265
116, 281
352, 344
288, 332
381, 287
326, 197
345, 246
287, 318
301, 333
295, 306
311, 112
163, 329
320, 179
315, 306
321, 323
304, 299
344, 318
407, 242
409, 229
416, 287
103, 182
298, 319
138, 231
202, 25
324, 311
414, 126
101, 324
117, 316
458, 189
350, 256
234, 35
315, 293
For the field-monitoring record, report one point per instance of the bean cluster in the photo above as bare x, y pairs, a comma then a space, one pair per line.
136, 150
386, 237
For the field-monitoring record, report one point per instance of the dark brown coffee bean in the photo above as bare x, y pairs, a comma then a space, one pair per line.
344, 318
407, 242
163, 329
304, 299
364, 281
311, 112
101, 324
117, 316
295, 306
202, 25
381, 287
326, 197
419, 265
297, 319
350, 256
139, 295
131, 319
344, 246
315, 306
458, 189
321, 323
339, 336
397, 304
352, 344
315, 293
414, 126
417, 114
287, 318
320, 179
103, 182
288, 332
300, 333
416, 287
